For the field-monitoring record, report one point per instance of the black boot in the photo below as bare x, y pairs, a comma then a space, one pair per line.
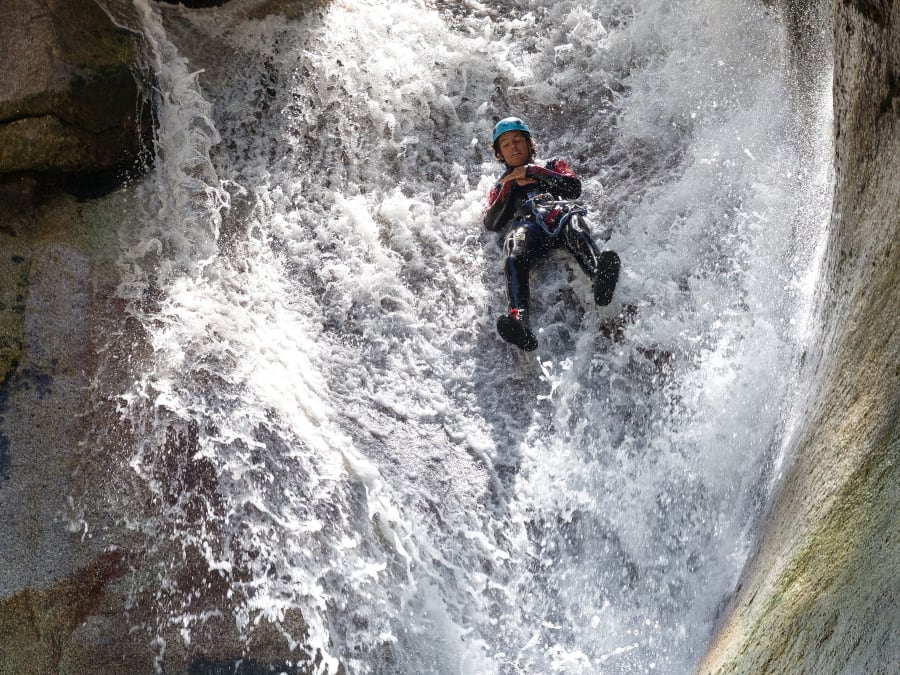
606, 277
514, 328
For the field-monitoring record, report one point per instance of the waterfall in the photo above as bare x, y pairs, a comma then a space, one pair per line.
314, 415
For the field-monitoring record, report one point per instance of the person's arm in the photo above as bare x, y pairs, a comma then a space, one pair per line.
557, 178
500, 206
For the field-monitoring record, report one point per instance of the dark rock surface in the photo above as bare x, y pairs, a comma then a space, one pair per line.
69, 100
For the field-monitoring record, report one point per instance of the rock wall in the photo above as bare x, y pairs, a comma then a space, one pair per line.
67, 599
821, 593
72, 117
57, 264
70, 105
75, 131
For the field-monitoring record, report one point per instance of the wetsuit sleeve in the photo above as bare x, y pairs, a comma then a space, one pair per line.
500, 206
557, 178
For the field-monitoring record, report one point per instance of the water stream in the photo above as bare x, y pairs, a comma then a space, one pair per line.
321, 418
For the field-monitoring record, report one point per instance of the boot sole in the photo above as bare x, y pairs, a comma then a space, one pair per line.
516, 333
607, 277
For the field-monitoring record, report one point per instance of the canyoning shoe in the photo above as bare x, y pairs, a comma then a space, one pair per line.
606, 277
514, 328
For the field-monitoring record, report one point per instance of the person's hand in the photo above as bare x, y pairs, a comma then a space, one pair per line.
518, 174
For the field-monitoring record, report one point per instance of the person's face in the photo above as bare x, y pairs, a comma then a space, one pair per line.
514, 148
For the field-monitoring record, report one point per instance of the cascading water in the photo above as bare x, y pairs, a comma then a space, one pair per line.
321, 420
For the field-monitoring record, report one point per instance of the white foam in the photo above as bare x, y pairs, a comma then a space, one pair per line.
429, 500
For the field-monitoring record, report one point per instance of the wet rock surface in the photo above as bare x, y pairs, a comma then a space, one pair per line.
70, 103
821, 592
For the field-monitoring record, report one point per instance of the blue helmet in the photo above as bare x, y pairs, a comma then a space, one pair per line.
509, 124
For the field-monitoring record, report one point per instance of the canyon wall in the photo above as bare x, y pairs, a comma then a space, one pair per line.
821, 593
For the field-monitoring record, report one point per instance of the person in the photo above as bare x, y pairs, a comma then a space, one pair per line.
535, 201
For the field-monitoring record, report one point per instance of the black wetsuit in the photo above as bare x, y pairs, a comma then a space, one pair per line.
530, 239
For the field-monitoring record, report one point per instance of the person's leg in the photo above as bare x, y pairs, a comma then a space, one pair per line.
578, 240
521, 249
602, 268
522, 246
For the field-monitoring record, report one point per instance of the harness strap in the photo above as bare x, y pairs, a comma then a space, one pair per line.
548, 211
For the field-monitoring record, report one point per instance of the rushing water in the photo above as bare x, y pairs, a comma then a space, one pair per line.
320, 415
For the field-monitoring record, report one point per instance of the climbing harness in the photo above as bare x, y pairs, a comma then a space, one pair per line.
553, 214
